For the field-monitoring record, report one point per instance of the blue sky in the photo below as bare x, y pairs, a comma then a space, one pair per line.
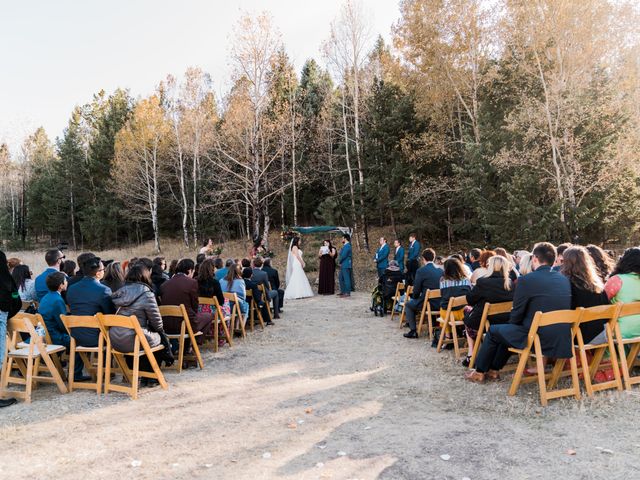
56, 53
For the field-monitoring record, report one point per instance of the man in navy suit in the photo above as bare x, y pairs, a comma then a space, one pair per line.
382, 257
398, 256
413, 262
543, 290
346, 265
54, 259
427, 278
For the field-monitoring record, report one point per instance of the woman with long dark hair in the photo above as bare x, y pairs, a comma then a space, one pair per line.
604, 263
26, 285
587, 288
327, 269
10, 304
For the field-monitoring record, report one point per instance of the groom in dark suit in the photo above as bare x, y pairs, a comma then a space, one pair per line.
346, 265
543, 290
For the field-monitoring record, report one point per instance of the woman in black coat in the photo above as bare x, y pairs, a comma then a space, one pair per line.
497, 287
587, 288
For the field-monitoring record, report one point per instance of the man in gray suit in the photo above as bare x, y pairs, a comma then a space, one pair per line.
427, 278
261, 277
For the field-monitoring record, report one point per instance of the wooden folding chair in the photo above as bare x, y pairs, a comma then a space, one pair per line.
218, 319
427, 312
267, 300
628, 360
449, 324
610, 314
489, 310
254, 311
407, 297
28, 359
396, 298
33, 303
109, 321
540, 320
96, 370
35, 319
236, 314
186, 332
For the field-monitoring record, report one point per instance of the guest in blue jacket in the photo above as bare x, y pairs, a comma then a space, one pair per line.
382, 257
54, 259
88, 297
398, 256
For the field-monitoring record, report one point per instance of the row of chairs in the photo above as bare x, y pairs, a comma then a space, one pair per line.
623, 358
39, 361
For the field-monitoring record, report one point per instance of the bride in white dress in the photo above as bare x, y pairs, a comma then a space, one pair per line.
297, 282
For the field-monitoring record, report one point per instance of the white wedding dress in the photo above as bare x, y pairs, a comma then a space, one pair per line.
297, 282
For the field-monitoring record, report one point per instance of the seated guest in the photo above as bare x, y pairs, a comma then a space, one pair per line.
474, 258
604, 263
389, 281
427, 278
158, 274
69, 268
12, 263
543, 290
526, 264
274, 281
222, 272
172, 267
482, 270
560, 252
453, 283
88, 297
137, 298
513, 271
113, 276
161, 263
54, 259
82, 258
261, 277
246, 263
459, 256
587, 289
181, 289
252, 285
233, 283
209, 287
494, 287
624, 286
26, 286
201, 257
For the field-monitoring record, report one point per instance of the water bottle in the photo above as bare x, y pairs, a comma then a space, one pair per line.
41, 332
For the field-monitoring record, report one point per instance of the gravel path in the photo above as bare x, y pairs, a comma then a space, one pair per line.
330, 392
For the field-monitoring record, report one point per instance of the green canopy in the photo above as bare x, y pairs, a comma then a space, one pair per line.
322, 229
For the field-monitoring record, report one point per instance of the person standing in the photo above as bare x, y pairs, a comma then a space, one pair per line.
10, 304
413, 262
398, 256
327, 274
382, 257
346, 266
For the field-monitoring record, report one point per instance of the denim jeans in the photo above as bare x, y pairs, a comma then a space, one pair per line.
3, 335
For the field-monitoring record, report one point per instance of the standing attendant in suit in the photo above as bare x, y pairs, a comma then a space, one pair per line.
382, 257
543, 290
413, 262
398, 256
346, 266
427, 278
260, 276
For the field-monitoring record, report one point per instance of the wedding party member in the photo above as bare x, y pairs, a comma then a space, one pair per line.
10, 304
495, 286
258, 248
427, 278
181, 289
113, 276
543, 290
260, 276
26, 285
398, 255
413, 260
327, 269
382, 257
54, 259
207, 246
274, 280
137, 298
345, 261
624, 286
587, 289
297, 282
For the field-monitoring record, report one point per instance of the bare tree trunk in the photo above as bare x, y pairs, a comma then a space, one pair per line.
194, 220
267, 222
356, 127
346, 151
73, 216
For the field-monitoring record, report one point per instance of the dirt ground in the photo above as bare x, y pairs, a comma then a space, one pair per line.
329, 392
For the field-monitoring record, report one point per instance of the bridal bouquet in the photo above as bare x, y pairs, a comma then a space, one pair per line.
267, 254
214, 251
